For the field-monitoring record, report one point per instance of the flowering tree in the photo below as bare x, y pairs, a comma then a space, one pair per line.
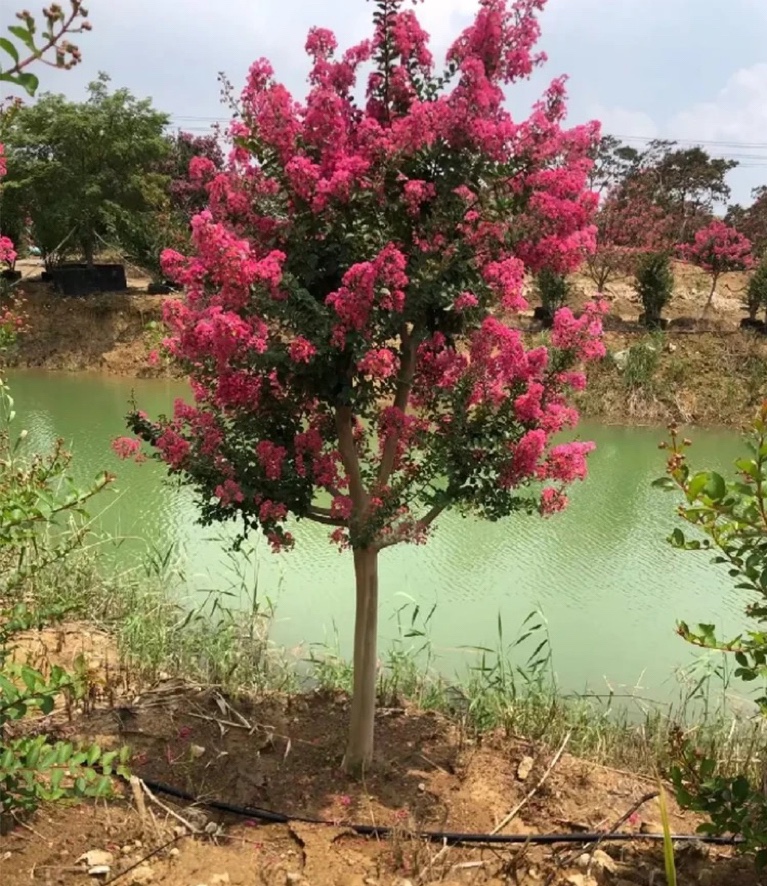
344, 324
188, 153
629, 224
751, 221
718, 249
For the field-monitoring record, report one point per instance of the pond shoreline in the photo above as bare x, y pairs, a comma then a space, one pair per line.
711, 379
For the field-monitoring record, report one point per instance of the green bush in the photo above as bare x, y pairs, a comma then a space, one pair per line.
42, 522
756, 294
553, 289
730, 519
654, 284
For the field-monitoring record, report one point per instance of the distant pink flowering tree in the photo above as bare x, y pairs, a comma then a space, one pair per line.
345, 325
718, 249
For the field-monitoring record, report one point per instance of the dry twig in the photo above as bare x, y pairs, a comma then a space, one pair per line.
526, 799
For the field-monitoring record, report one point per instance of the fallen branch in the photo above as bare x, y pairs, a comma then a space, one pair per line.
591, 848
525, 800
179, 818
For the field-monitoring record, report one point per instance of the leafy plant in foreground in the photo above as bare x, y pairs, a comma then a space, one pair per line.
731, 517
41, 522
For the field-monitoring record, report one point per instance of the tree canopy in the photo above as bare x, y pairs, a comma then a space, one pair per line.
85, 171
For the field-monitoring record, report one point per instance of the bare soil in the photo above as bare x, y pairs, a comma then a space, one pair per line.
107, 332
284, 754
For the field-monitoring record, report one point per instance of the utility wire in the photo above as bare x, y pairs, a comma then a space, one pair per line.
747, 160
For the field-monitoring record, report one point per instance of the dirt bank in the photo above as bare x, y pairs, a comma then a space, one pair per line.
108, 332
709, 373
283, 754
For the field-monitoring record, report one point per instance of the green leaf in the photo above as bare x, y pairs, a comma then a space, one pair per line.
715, 487
6, 44
696, 486
664, 483
27, 81
25, 35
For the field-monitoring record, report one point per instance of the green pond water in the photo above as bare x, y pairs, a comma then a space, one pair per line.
610, 587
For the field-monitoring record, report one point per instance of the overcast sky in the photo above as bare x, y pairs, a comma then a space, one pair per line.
694, 70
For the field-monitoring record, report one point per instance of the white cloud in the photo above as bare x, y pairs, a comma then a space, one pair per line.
738, 113
624, 122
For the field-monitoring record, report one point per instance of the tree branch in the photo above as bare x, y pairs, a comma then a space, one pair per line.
432, 515
324, 519
424, 523
404, 385
350, 458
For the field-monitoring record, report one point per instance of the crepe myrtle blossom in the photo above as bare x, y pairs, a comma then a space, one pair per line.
348, 320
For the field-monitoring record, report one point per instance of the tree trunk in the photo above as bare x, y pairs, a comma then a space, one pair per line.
89, 253
710, 298
359, 750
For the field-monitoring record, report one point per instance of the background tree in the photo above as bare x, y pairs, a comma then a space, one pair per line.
342, 326
688, 183
629, 224
654, 285
718, 249
751, 221
614, 162
84, 171
189, 163
756, 292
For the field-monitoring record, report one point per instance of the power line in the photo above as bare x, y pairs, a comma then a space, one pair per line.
744, 160
635, 138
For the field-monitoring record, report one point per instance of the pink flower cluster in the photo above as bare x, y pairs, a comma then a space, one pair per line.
345, 313
7, 252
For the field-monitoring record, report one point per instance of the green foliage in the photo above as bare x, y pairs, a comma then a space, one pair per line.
654, 285
85, 171
553, 289
756, 294
641, 365
42, 521
730, 520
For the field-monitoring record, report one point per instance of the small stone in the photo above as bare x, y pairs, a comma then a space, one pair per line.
126, 850
421, 787
580, 880
292, 878
99, 870
197, 751
598, 860
219, 879
141, 875
95, 857
175, 852
650, 827
525, 768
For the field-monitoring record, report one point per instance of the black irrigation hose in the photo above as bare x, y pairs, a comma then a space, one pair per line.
368, 830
